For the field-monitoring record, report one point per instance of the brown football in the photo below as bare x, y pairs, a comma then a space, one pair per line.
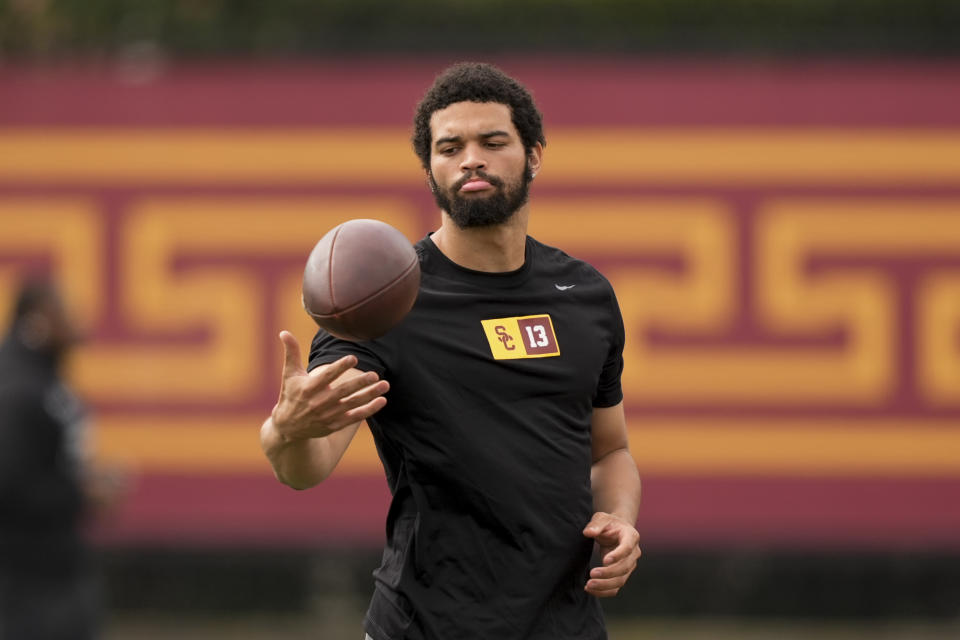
361, 279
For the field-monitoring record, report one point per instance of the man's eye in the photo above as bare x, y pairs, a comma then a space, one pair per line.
448, 151
494, 145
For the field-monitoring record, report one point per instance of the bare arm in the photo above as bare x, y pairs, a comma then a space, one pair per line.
614, 476
317, 415
616, 499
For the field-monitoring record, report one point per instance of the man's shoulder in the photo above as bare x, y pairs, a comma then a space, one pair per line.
553, 260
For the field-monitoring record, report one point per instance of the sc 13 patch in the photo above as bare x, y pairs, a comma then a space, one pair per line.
521, 337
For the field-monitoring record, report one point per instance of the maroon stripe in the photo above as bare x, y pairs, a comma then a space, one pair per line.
375, 92
821, 513
678, 512
248, 510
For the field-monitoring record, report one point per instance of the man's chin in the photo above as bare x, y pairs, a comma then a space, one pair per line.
480, 209
476, 221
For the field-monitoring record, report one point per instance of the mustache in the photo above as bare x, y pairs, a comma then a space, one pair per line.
479, 173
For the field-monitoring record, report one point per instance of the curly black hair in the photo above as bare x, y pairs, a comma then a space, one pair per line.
476, 82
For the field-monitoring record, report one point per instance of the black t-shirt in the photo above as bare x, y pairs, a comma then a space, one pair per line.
485, 440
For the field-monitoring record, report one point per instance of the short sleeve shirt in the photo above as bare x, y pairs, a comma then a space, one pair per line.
485, 441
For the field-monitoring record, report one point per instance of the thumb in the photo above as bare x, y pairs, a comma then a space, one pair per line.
596, 525
292, 364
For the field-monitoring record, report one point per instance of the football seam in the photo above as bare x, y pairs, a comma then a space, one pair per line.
386, 287
333, 253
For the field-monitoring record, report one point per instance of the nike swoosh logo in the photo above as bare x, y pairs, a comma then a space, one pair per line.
564, 287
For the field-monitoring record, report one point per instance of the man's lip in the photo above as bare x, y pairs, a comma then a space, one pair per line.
475, 185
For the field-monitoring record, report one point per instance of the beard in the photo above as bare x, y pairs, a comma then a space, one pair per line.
483, 211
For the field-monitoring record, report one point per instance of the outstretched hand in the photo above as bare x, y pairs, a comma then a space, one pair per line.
325, 400
618, 541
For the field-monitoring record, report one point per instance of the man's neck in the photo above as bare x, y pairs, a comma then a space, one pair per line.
493, 249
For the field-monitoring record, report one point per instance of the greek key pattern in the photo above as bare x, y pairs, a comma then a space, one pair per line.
764, 323
194, 286
67, 233
863, 295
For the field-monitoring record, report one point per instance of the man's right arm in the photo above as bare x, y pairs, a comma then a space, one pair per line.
317, 415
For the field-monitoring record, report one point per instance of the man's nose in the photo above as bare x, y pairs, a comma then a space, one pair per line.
473, 158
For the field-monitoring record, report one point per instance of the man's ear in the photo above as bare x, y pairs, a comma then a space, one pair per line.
535, 159
430, 181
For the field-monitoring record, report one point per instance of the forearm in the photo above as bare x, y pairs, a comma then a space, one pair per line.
616, 485
306, 462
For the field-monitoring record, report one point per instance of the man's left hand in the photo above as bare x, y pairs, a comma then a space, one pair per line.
619, 550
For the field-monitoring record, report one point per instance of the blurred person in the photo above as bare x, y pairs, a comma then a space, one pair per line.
48, 588
504, 471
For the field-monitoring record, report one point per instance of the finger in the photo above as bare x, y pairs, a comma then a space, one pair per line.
624, 566
292, 364
605, 587
597, 524
601, 592
365, 395
324, 375
346, 387
633, 552
624, 545
359, 413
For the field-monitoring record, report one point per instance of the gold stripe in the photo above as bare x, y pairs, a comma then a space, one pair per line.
790, 447
798, 447
575, 155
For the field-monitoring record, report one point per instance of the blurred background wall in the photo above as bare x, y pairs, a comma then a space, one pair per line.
772, 187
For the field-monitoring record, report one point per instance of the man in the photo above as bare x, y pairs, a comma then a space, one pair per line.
503, 435
47, 589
